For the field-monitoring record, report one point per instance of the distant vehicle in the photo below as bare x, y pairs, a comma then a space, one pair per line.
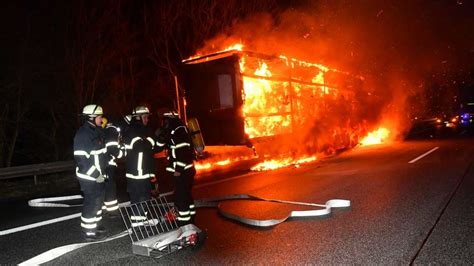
446, 120
466, 115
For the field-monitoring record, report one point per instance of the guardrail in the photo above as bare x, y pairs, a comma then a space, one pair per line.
35, 170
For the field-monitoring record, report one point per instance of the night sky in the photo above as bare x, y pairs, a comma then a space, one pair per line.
57, 56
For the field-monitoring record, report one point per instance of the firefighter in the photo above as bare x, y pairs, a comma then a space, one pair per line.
114, 150
140, 165
89, 154
174, 136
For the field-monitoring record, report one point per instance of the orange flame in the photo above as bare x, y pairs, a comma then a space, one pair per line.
276, 164
376, 137
282, 96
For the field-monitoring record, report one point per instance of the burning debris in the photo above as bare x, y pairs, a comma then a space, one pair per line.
289, 110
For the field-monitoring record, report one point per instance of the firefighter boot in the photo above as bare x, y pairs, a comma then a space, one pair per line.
92, 235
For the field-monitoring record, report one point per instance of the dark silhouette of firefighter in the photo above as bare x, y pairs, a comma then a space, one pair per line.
174, 136
114, 150
140, 165
89, 154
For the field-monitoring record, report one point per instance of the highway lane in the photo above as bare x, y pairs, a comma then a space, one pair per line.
401, 213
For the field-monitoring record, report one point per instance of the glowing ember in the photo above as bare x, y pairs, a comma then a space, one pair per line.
376, 137
276, 164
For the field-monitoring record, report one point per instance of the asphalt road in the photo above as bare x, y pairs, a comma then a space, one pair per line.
401, 213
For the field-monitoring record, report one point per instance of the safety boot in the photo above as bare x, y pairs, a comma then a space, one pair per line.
93, 235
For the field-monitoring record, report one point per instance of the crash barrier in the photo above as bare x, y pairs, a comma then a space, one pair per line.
35, 170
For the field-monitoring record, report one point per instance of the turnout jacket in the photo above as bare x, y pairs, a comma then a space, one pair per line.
174, 137
140, 148
89, 152
113, 145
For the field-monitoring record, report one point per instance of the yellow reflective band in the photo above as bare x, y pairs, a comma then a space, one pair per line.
137, 224
83, 176
109, 209
88, 226
180, 145
138, 218
138, 176
97, 152
184, 218
82, 153
183, 213
88, 220
96, 162
176, 129
188, 166
139, 164
109, 203
152, 141
180, 164
192, 206
112, 143
132, 142
160, 144
112, 161
169, 169
91, 170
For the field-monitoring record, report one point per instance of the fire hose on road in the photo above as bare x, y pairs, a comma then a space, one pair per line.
319, 210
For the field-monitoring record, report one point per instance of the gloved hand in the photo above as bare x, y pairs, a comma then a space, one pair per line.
100, 179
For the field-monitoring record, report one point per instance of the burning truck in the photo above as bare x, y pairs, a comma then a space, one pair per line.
280, 106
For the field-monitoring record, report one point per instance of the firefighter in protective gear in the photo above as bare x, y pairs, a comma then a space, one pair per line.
89, 154
114, 150
140, 164
174, 136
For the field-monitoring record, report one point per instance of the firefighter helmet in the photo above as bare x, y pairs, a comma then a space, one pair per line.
167, 112
140, 110
92, 110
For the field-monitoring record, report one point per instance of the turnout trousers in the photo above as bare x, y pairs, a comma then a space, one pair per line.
110, 200
139, 190
183, 198
92, 206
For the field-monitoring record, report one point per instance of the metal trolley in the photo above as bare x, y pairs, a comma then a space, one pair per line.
153, 229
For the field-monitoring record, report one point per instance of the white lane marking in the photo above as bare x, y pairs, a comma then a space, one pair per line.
423, 155
38, 224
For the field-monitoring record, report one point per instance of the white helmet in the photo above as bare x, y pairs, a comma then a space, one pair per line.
92, 110
171, 113
140, 110
167, 112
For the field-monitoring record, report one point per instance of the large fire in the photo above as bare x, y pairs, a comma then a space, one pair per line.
304, 108
376, 137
